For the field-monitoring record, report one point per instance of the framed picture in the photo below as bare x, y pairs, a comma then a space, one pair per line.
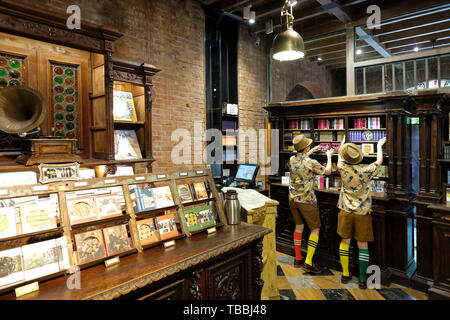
11, 267
166, 226
126, 145
147, 231
108, 205
116, 240
81, 209
8, 227
163, 197
200, 191
90, 246
123, 106
41, 259
40, 215
185, 193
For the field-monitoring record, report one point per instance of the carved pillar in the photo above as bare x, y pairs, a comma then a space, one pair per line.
109, 88
390, 127
258, 267
424, 145
148, 116
195, 288
406, 156
435, 145
399, 151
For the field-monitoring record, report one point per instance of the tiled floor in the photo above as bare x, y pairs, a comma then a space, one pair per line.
294, 284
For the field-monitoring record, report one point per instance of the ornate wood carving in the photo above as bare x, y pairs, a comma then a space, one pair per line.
165, 272
41, 25
258, 265
195, 289
227, 286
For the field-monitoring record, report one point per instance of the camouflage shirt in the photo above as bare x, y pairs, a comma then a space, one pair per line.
302, 179
355, 196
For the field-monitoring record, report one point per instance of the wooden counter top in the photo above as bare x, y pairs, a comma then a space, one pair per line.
137, 270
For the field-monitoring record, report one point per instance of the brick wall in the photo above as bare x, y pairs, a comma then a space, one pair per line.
287, 74
252, 72
170, 35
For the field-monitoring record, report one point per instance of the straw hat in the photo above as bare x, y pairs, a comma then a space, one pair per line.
351, 153
300, 142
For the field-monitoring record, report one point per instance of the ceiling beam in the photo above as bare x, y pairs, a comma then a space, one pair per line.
335, 9
435, 19
344, 17
396, 8
373, 42
309, 14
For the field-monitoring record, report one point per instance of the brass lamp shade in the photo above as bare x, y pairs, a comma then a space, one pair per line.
288, 45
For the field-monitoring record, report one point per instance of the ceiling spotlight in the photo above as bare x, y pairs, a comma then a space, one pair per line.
288, 44
359, 51
416, 49
319, 58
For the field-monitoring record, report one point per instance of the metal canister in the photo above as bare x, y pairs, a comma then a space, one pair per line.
232, 207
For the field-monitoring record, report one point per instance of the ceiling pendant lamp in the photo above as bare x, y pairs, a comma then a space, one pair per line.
288, 44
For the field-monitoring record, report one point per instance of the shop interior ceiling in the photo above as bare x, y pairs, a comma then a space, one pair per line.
406, 26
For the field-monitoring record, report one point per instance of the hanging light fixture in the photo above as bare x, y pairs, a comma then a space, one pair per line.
288, 44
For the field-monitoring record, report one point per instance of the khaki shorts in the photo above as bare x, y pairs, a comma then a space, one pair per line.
356, 226
305, 212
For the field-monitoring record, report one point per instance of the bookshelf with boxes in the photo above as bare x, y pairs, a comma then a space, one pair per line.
363, 130
47, 230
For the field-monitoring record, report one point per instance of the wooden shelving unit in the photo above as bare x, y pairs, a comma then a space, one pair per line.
128, 217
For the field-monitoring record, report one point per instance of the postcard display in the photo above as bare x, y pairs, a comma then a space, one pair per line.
50, 230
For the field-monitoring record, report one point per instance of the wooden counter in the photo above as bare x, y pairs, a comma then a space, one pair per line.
223, 265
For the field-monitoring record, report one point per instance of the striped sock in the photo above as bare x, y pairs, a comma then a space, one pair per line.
344, 255
312, 245
298, 245
363, 263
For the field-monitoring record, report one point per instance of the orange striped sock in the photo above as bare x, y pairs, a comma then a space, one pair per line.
298, 245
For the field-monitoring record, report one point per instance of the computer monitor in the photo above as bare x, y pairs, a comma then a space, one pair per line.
247, 173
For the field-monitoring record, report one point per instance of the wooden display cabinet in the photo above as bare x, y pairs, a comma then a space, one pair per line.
69, 229
395, 210
112, 74
76, 72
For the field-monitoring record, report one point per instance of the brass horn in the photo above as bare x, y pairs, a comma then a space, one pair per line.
22, 109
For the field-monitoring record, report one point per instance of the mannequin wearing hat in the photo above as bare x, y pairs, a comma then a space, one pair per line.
355, 204
302, 199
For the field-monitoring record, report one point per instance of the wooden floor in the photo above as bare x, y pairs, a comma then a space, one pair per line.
294, 284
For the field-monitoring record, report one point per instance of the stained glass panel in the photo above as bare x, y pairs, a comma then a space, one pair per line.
65, 100
11, 74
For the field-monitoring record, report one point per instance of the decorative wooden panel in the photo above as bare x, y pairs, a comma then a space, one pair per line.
65, 100
12, 73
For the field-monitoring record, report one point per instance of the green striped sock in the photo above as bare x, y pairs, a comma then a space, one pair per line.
363, 263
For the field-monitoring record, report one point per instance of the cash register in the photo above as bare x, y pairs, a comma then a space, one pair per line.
245, 176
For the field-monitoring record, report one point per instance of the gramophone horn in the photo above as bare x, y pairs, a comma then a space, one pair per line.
21, 109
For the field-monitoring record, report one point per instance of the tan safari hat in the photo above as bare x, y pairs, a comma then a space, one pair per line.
351, 153
300, 142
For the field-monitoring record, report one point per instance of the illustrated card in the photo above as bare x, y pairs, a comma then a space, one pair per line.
116, 240
90, 246
147, 231
166, 226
